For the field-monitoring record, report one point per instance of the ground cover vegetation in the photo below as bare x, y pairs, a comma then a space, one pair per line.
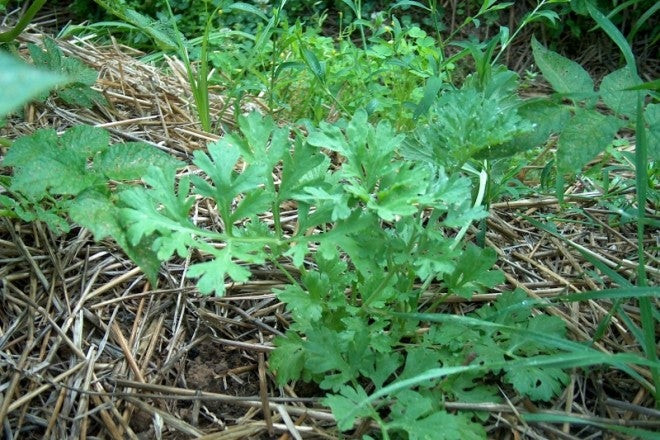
387, 132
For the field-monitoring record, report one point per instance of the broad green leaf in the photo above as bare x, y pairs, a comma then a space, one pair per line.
585, 135
614, 94
20, 82
95, 211
131, 161
565, 76
44, 163
86, 140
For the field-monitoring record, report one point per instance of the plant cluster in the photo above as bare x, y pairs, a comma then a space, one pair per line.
377, 203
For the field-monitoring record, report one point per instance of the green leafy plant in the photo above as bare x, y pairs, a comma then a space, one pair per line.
80, 175
77, 91
366, 232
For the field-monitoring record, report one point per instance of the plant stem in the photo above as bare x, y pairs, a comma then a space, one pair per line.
6, 37
525, 22
4, 142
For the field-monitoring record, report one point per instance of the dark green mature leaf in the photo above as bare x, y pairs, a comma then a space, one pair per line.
344, 405
472, 273
467, 123
548, 118
585, 135
417, 415
565, 76
537, 383
20, 82
614, 94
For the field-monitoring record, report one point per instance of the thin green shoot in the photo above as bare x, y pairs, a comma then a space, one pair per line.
198, 81
483, 183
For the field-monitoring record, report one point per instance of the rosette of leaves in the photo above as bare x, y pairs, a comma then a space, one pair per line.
478, 120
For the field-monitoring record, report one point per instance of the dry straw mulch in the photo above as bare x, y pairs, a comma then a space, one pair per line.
88, 349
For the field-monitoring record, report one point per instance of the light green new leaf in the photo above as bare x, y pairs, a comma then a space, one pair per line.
44, 163
131, 161
565, 76
585, 135
95, 211
86, 140
288, 359
20, 82
614, 94
212, 273
227, 183
302, 167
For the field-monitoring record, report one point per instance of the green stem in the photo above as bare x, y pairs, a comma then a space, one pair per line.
6, 37
358, 13
4, 142
273, 57
525, 22
645, 304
